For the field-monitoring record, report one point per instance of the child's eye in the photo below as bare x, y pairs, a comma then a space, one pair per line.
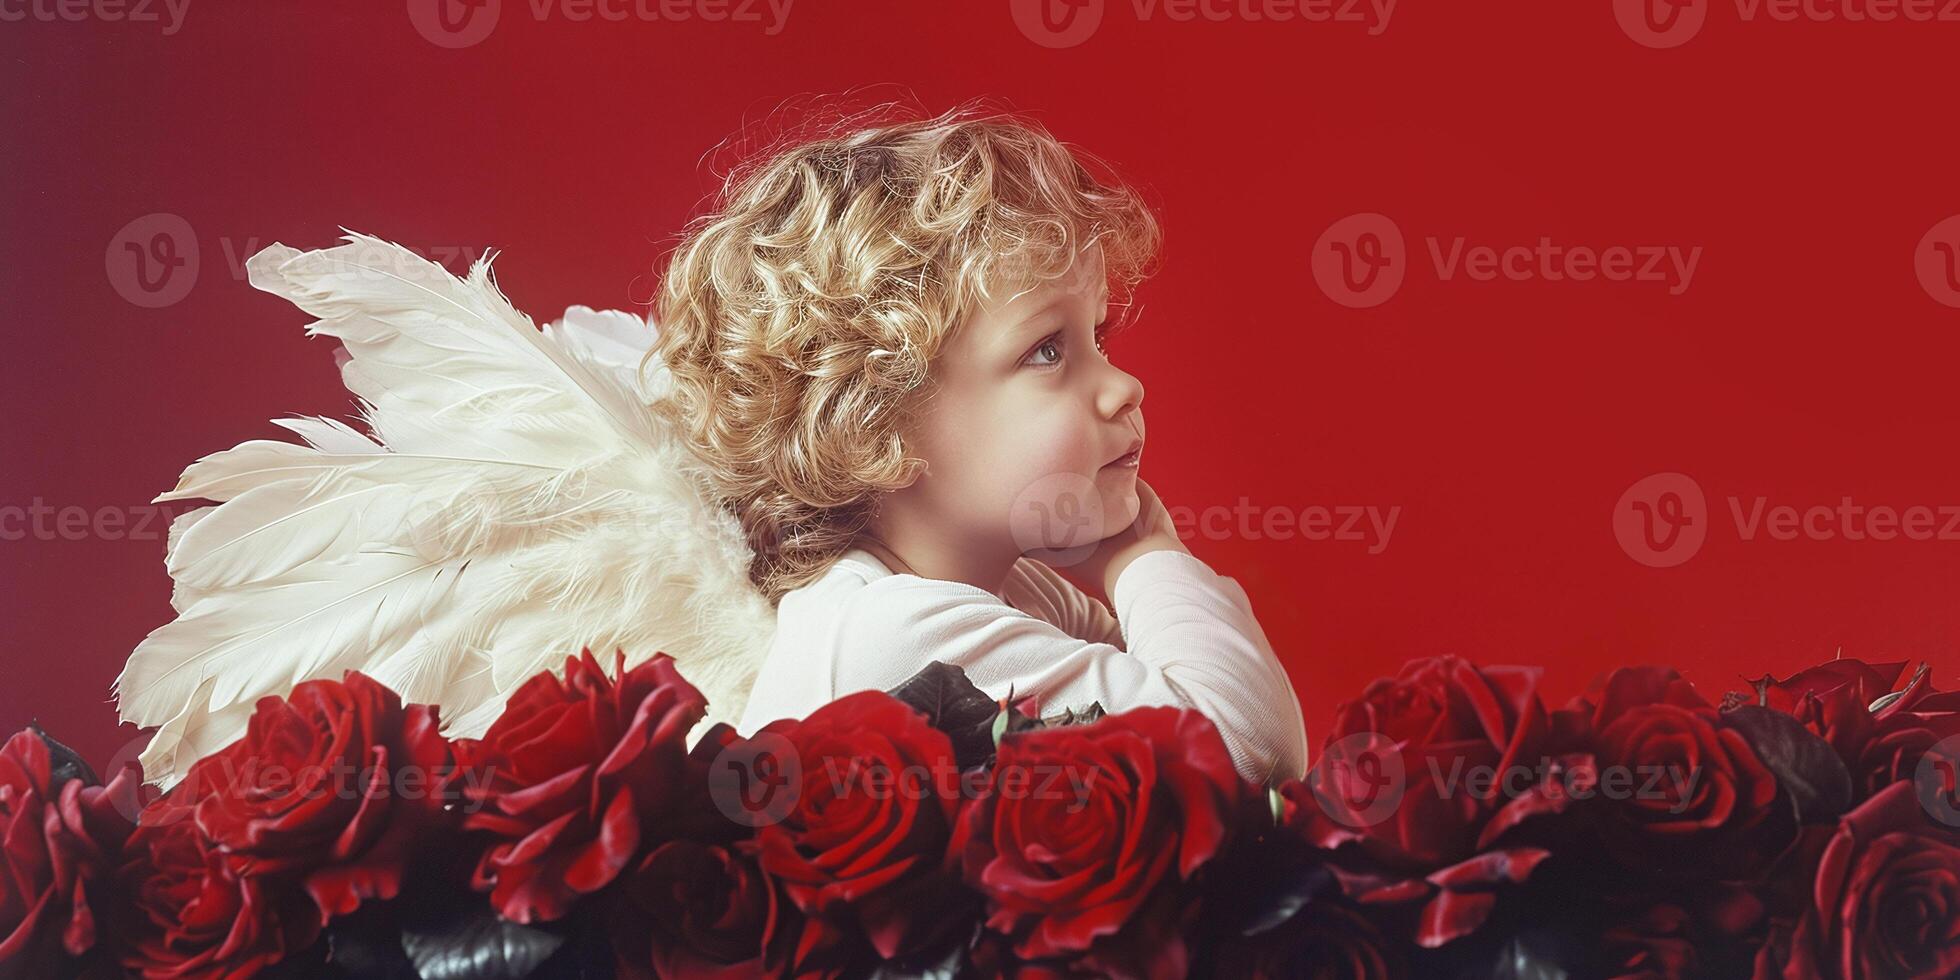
1052, 346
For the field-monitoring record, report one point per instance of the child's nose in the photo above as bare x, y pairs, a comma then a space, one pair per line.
1121, 394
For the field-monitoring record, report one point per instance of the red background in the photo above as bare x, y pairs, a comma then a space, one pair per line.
1804, 363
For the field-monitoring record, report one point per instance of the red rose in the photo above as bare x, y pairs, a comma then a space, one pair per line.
193, 915
1831, 699
1424, 774
1901, 733
336, 782
1437, 722
1678, 793
691, 909
867, 834
1088, 837
573, 775
1325, 940
1884, 898
1835, 702
1862, 680
1653, 944
59, 846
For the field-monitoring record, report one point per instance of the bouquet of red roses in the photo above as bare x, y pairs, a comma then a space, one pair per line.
1453, 825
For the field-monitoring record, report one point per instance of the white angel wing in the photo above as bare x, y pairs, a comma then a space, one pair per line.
517, 501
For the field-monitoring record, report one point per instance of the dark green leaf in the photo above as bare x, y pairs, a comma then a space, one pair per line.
368, 944
1806, 765
479, 946
1536, 955
952, 704
941, 963
1284, 899
64, 763
1071, 716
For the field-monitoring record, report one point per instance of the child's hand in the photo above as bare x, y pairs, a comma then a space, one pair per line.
1151, 531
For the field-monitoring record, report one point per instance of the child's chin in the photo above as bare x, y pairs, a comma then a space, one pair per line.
1121, 505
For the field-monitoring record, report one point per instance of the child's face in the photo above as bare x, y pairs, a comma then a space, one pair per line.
1028, 417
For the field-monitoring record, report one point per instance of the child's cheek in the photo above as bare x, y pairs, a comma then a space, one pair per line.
1056, 498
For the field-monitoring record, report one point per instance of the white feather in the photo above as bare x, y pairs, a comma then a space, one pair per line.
516, 501
330, 435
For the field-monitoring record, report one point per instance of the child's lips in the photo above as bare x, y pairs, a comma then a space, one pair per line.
1128, 460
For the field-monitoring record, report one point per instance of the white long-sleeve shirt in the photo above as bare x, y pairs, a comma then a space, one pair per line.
1182, 636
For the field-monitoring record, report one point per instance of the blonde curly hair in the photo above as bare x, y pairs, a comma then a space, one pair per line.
800, 316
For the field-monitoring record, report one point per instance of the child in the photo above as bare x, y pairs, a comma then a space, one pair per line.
887, 354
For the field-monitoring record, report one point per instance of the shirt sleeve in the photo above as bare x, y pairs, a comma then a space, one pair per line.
1040, 591
1191, 637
